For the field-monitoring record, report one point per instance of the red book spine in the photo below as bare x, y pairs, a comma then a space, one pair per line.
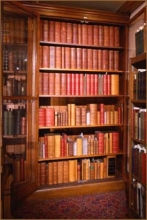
57, 31
63, 83
95, 35
68, 84
111, 60
95, 59
52, 57
68, 57
95, 84
45, 60
75, 33
50, 116
73, 58
105, 60
41, 55
100, 136
77, 84
63, 57
45, 83
81, 83
69, 33
45, 30
105, 84
57, 83
79, 58
84, 58
92, 84
88, 84
99, 59
116, 36
40, 83
116, 60
84, 34
42, 117
101, 113
51, 31
101, 35
90, 58
72, 84
111, 36
51, 84
58, 60
46, 145
63, 32
115, 142
79, 34
109, 85
90, 35
106, 36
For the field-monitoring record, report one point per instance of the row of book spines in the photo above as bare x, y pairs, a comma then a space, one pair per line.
20, 170
15, 87
14, 59
14, 30
78, 84
140, 41
17, 149
139, 117
55, 146
78, 58
71, 171
139, 85
139, 165
72, 115
87, 34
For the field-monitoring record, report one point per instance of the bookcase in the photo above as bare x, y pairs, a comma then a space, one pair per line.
19, 101
137, 145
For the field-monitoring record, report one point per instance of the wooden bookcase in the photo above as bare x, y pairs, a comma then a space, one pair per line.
137, 144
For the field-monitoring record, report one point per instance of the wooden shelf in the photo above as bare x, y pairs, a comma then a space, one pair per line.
139, 61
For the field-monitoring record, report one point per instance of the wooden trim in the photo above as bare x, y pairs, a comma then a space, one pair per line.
129, 6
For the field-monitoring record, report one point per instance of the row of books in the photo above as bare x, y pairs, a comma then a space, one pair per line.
15, 86
139, 86
20, 169
68, 171
139, 163
78, 58
78, 33
78, 84
16, 149
138, 201
77, 115
14, 59
139, 116
14, 30
14, 121
53, 145
139, 40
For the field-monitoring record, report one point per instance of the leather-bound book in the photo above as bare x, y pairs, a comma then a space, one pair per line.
72, 83
95, 59
116, 60
106, 35
116, 36
52, 57
50, 144
68, 57
84, 33
79, 34
111, 60
105, 84
101, 35
114, 84
79, 58
69, 32
63, 84
93, 114
65, 171
111, 36
73, 58
83, 115
101, 113
58, 57
75, 33
78, 116
45, 30
84, 58
51, 31
95, 84
95, 35
50, 119
57, 31
115, 142
105, 60
88, 84
81, 83
90, 34
89, 58
60, 172
92, 171
50, 173
63, 57
45, 57
92, 85
72, 114
77, 84
63, 32
57, 84
51, 79
42, 113
99, 59
45, 83
42, 173
55, 172
68, 85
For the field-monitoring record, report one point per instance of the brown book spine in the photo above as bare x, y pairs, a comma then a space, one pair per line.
84, 33
105, 84
95, 59
63, 58
40, 83
93, 114
106, 35
75, 33
79, 58
111, 60
99, 59
68, 83
116, 60
105, 60
83, 115
69, 32
65, 171
90, 58
55, 172
90, 35
73, 58
45, 83
101, 35
77, 84
45, 30
95, 35
52, 57
51, 79
63, 32
58, 57
111, 36
84, 58
57, 31
45, 57
109, 85
78, 116
63, 84
116, 36
101, 113
114, 84
88, 84
42, 173
79, 34
51, 31
58, 84
81, 83
60, 171
92, 84
41, 117
68, 57
50, 173
72, 115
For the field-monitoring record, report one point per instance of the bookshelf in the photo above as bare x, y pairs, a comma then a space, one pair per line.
137, 152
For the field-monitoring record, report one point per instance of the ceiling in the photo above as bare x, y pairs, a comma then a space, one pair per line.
110, 6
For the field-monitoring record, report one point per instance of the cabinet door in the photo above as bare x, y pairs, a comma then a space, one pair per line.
19, 97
